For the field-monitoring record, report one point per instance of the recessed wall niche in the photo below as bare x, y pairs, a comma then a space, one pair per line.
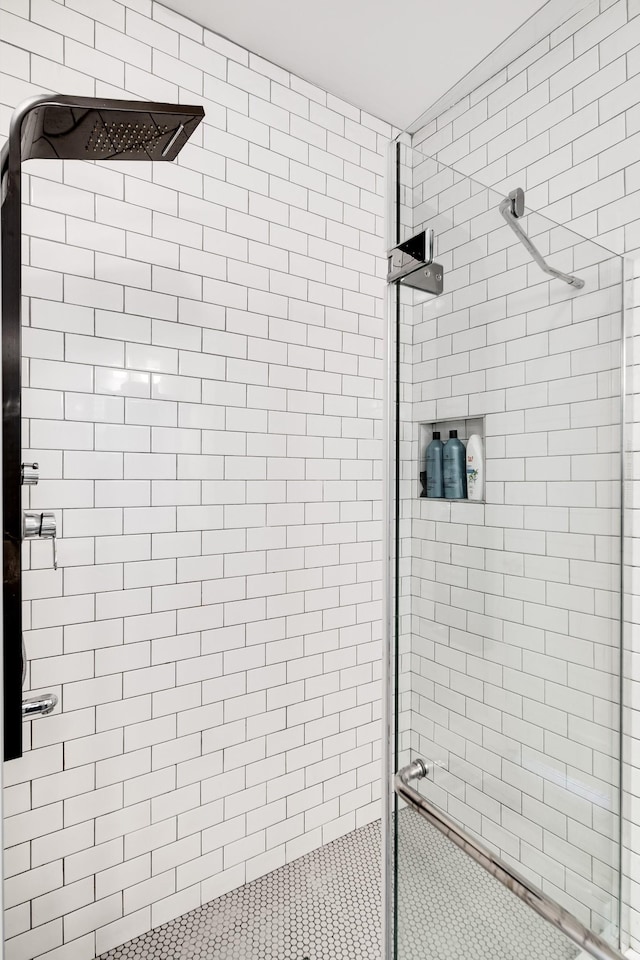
466, 426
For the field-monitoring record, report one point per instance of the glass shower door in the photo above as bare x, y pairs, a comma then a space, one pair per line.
507, 646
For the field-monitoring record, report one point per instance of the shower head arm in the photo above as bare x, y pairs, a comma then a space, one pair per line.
10, 156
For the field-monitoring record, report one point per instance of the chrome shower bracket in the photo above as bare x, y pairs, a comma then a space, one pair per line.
512, 209
412, 264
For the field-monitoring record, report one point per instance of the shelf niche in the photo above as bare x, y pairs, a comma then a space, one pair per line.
466, 426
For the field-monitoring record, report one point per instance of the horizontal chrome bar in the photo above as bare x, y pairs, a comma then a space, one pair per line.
511, 209
547, 908
39, 706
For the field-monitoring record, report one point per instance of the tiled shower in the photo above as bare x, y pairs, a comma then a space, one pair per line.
203, 389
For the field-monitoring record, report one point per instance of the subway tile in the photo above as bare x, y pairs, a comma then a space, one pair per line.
120, 931
60, 902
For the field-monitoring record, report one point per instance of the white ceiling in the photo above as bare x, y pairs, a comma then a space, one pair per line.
393, 60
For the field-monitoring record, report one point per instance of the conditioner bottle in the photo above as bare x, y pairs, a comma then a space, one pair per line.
433, 465
475, 468
454, 468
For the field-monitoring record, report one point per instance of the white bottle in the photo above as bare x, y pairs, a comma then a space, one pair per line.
475, 468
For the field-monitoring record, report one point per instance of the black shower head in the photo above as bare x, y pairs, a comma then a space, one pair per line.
84, 128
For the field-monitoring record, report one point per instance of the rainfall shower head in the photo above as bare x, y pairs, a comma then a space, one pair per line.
411, 264
83, 128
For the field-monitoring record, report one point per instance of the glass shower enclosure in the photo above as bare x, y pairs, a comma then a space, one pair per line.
503, 614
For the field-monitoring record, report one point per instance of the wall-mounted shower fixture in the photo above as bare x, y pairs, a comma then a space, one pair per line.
411, 263
512, 209
41, 525
60, 128
29, 474
39, 706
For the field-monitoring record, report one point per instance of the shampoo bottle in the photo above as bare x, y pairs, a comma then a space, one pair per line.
435, 487
454, 468
475, 468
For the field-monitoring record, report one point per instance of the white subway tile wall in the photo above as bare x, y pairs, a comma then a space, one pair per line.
562, 122
203, 367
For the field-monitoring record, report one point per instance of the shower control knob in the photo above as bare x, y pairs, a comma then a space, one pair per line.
30, 474
41, 525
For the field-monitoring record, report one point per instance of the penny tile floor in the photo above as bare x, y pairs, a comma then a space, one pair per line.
326, 906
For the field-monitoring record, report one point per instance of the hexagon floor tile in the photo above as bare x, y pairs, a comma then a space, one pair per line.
327, 904
323, 905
